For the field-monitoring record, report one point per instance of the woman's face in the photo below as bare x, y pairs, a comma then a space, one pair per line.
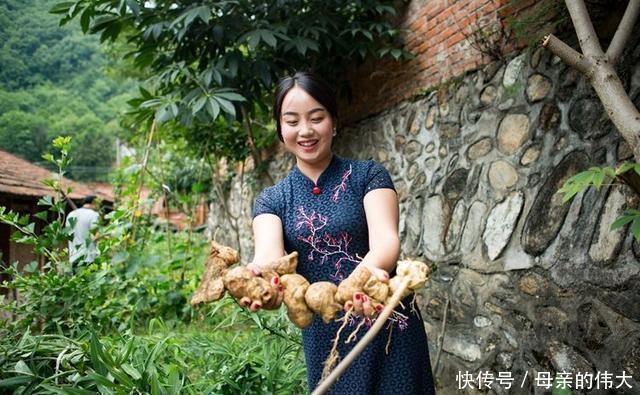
307, 127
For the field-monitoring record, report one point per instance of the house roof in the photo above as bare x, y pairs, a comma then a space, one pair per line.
23, 178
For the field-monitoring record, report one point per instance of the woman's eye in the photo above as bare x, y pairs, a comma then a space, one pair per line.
292, 123
317, 120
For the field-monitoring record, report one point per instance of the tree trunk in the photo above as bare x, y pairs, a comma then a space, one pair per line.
617, 104
598, 67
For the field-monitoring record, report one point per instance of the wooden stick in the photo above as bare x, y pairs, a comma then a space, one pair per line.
324, 386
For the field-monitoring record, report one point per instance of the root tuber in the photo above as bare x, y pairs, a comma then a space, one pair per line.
416, 272
285, 265
241, 282
320, 297
295, 287
301, 298
212, 287
352, 284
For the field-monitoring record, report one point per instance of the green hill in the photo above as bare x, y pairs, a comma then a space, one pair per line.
54, 81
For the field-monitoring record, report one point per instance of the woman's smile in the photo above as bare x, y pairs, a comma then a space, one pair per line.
308, 145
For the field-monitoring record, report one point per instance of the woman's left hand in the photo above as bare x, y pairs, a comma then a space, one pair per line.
361, 304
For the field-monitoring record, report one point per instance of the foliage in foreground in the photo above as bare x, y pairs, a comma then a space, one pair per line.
123, 324
203, 359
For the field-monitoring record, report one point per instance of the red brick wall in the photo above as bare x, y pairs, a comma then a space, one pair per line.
434, 34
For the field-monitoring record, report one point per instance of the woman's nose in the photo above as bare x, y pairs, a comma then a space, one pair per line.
305, 129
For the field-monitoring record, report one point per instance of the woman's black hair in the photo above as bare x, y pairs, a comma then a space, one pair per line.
315, 86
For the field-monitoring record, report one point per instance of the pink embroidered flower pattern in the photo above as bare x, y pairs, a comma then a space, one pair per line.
324, 246
342, 186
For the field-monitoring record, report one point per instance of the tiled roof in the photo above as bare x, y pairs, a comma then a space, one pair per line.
22, 178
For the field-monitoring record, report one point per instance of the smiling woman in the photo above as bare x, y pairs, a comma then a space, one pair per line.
338, 213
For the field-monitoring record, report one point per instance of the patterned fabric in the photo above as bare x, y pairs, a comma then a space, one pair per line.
330, 233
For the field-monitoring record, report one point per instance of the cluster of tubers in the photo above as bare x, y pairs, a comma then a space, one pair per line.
302, 299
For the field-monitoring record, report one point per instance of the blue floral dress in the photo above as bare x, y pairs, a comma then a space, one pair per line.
329, 231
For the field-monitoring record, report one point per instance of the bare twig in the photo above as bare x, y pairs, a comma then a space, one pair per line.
568, 55
489, 40
254, 150
167, 208
623, 32
442, 329
145, 160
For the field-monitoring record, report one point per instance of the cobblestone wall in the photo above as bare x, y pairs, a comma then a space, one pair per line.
526, 283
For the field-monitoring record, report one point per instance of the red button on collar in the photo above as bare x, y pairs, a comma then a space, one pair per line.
316, 190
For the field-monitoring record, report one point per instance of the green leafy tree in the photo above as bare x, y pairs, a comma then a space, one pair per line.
214, 63
23, 134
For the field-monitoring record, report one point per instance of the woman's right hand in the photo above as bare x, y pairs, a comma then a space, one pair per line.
255, 305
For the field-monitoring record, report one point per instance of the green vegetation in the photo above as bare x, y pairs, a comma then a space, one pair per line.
52, 83
599, 176
123, 324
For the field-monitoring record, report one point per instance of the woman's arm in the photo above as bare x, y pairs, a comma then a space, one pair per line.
268, 239
382, 212
268, 246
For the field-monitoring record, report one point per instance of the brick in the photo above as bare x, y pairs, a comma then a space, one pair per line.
433, 7
454, 39
436, 36
444, 15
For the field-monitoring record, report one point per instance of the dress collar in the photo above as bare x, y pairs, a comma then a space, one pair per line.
333, 164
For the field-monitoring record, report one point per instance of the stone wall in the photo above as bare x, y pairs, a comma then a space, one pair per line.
527, 284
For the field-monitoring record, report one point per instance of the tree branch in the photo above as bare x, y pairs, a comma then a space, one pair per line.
584, 28
623, 32
568, 55
257, 160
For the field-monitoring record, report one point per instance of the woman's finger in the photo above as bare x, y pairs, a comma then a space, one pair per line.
367, 309
280, 295
358, 299
380, 274
255, 269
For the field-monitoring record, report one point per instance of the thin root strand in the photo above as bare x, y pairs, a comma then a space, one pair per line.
333, 357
